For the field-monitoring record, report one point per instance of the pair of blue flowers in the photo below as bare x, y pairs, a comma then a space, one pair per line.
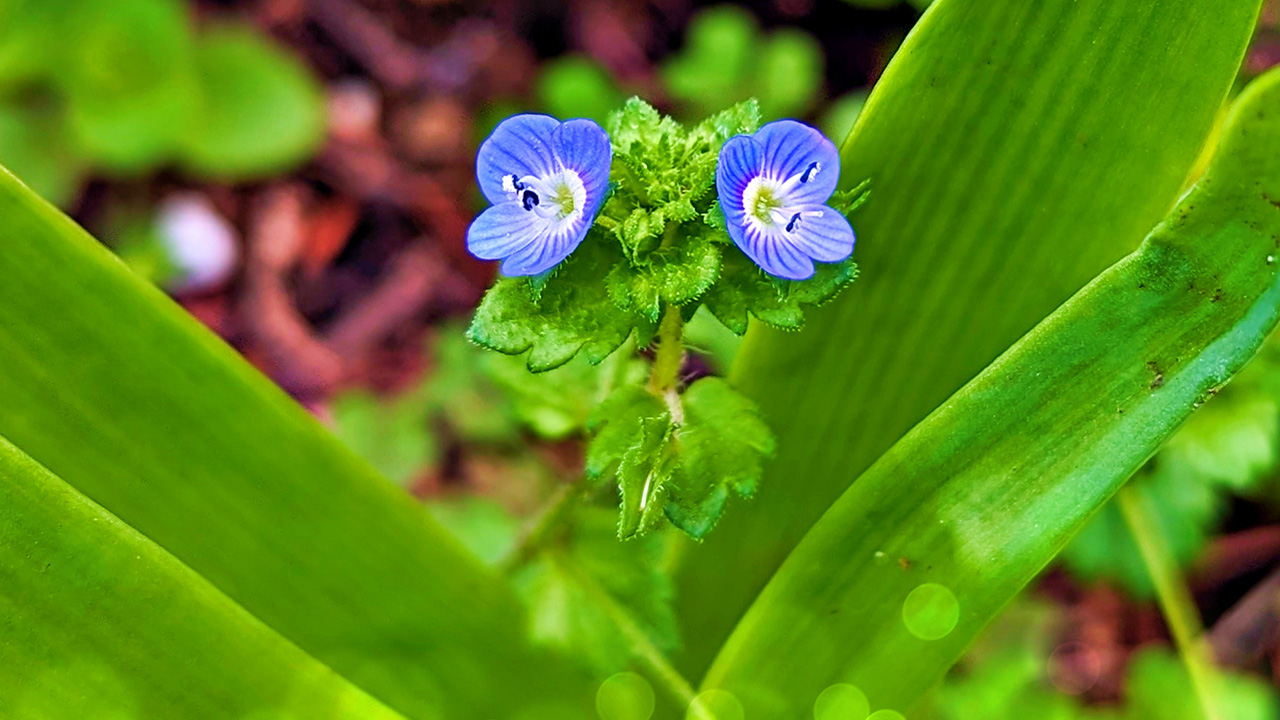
547, 180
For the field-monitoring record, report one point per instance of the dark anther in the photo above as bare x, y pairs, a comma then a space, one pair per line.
530, 199
791, 225
808, 172
515, 182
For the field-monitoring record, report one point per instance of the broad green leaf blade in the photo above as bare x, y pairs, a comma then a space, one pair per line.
898, 576
120, 393
1015, 150
99, 622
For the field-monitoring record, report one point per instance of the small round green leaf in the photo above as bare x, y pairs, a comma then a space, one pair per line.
262, 111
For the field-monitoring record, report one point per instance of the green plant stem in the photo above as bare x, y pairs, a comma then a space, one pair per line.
1175, 599
543, 528
670, 353
654, 661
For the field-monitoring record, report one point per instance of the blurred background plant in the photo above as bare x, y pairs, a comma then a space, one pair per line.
297, 173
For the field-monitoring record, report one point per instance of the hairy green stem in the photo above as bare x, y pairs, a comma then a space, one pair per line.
670, 353
543, 528
1175, 599
658, 667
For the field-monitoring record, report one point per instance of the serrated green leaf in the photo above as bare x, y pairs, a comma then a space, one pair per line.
740, 119
720, 445
574, 313
846, 202
679, 210
669, 276
696, 502
744, 290
644, 475
714, 218
713, 405
639, 232
637, 123
666, 172
617, 424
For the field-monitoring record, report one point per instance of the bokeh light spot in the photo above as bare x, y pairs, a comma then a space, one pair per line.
716, 705
886, 715
1074, 668
841, 702
931, 612
625, 696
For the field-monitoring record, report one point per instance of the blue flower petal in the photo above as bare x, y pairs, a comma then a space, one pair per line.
540, 256
790, 148
520, 145
523, 241
583, 146
503, 230
741, 161
775, 252
827, 238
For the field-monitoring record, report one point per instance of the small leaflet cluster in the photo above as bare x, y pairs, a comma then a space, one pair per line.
659, 245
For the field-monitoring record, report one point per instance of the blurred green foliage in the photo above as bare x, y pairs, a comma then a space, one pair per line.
727, 59
127, 86
485, 399
584, 586
838, 119
575, 86
1011, 675
261, 111
391, 433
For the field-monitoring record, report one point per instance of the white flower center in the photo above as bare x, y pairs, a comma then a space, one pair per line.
768, 203
559, 197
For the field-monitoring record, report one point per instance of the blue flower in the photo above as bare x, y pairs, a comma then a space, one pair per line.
546, 180
773, 188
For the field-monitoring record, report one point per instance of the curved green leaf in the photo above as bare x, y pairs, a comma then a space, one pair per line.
1015, 149
99, 622
119, 392
975, 500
